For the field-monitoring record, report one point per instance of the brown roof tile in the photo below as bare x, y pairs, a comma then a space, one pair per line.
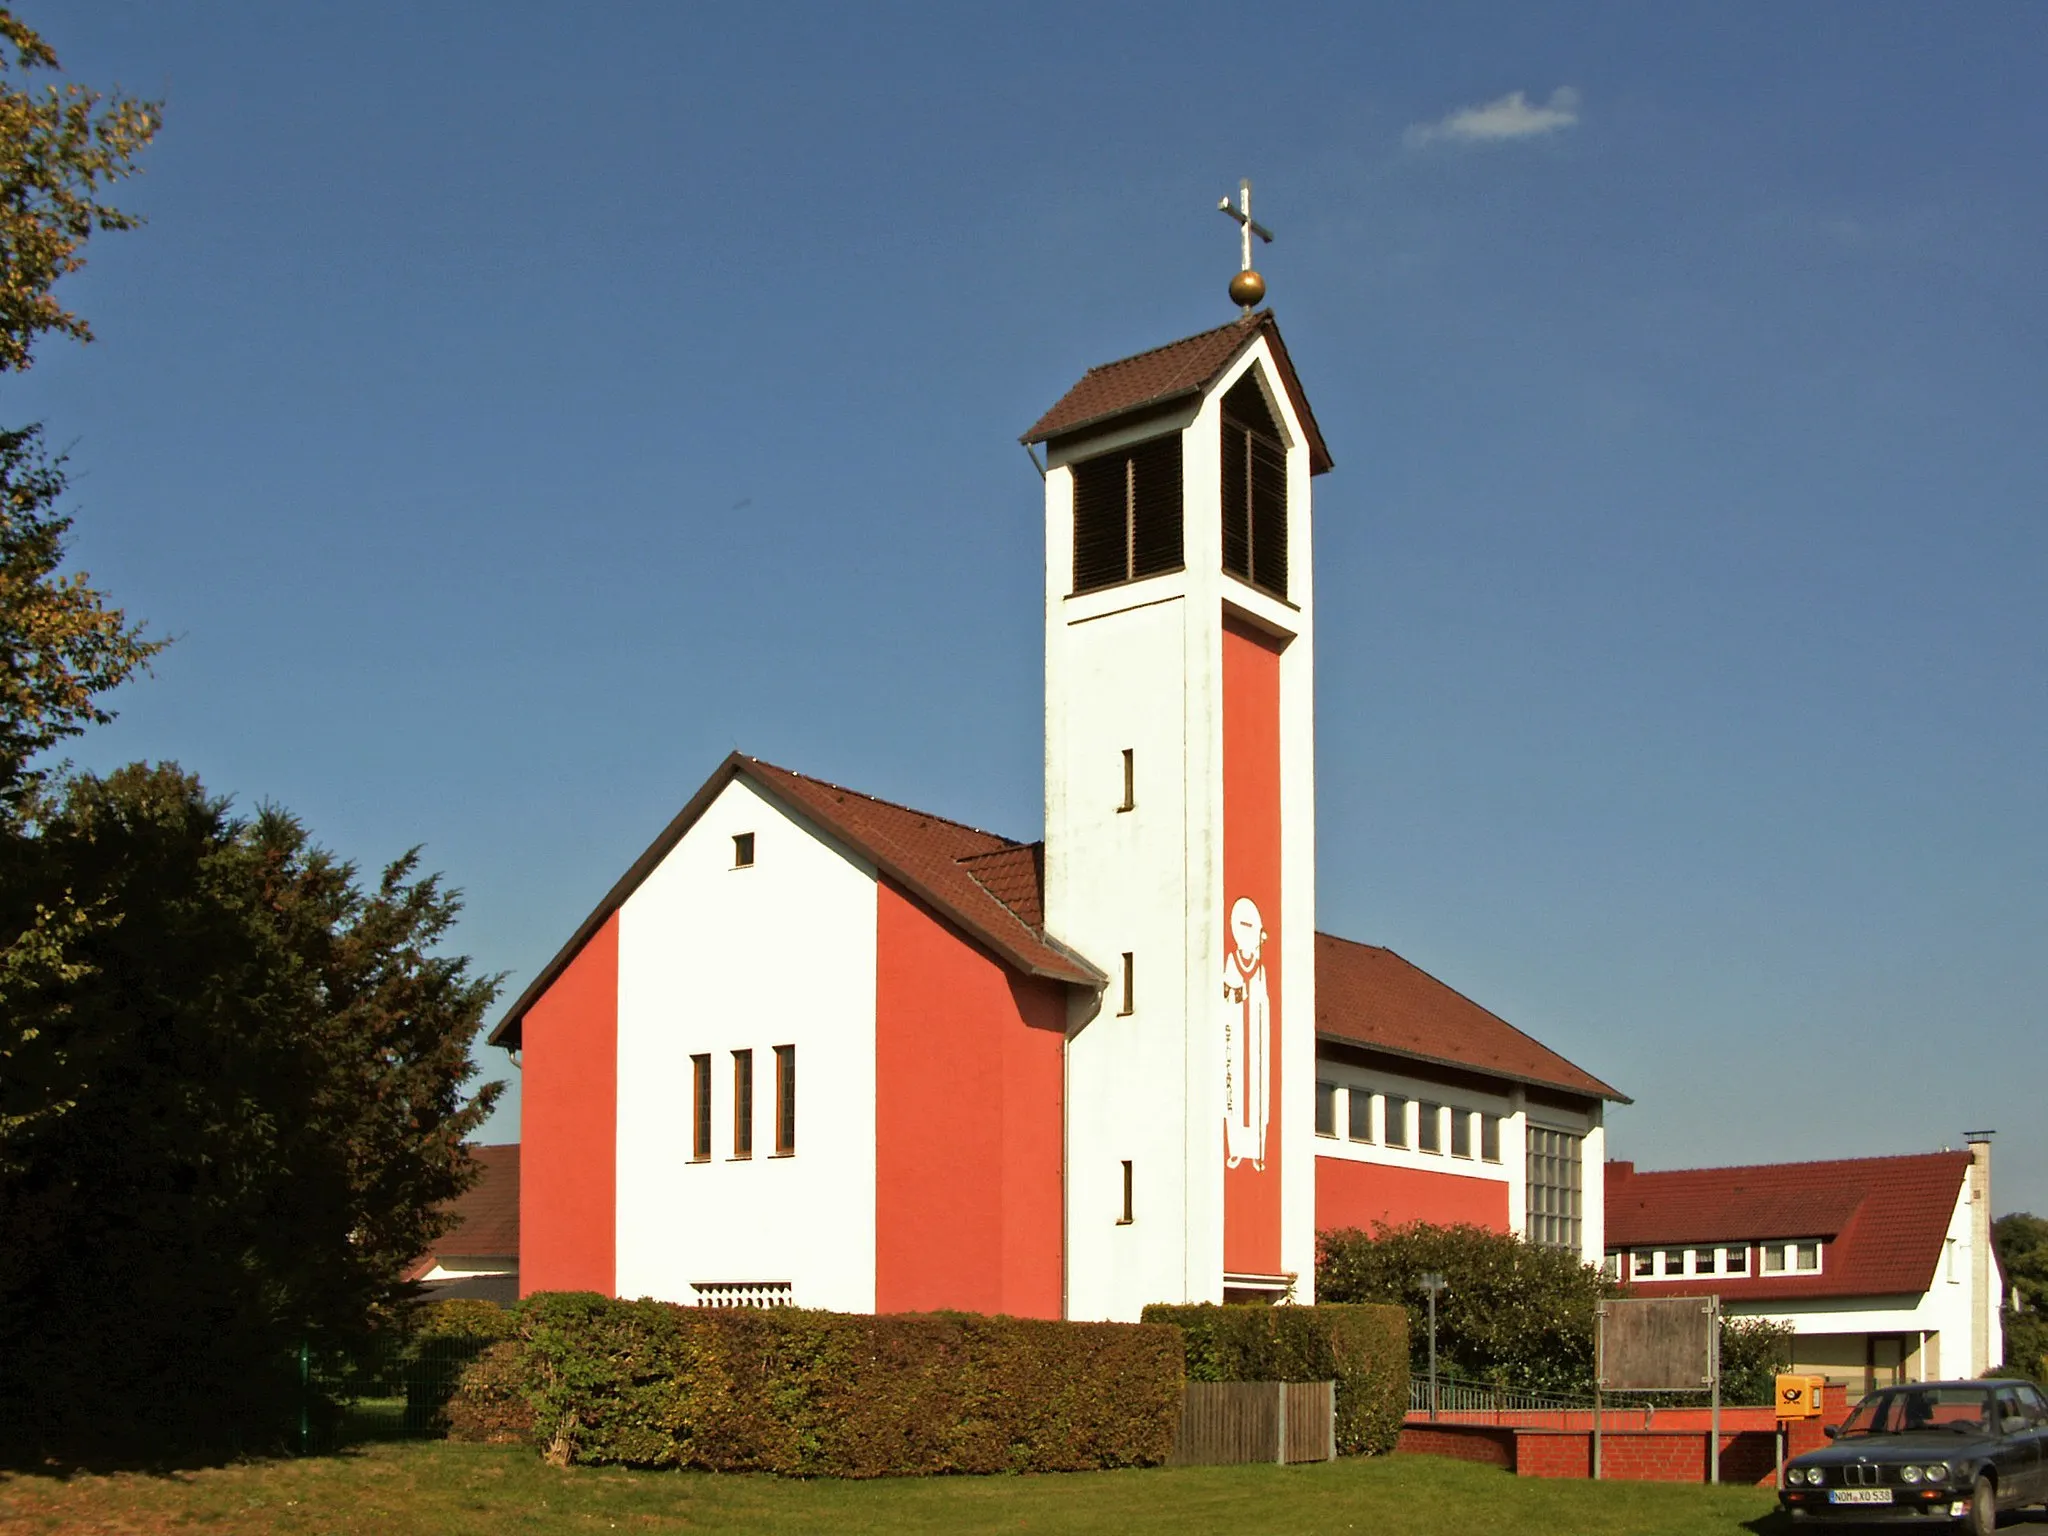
1184, 367
984, 883
1883, 1220
1369, 996
486, 1221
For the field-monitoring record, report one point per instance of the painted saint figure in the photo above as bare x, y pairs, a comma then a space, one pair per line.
1247, 1037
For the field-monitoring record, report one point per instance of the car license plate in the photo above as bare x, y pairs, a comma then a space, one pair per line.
1859, 1495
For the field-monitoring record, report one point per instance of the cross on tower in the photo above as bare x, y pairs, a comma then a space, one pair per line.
1247, 288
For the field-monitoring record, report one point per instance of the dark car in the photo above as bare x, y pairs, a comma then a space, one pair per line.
1936, 1451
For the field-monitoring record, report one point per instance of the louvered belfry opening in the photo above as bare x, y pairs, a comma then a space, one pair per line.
1254, 490
1127, 514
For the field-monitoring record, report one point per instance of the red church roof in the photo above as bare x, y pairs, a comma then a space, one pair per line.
984, 884
1369, 996
1883, 1220
1173, 372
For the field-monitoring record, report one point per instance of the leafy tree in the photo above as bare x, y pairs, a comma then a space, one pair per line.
60, 148
2022, 1243
268, 1062
1512, 1313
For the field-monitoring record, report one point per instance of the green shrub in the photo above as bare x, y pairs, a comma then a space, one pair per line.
1364, 1349
489, 1406
445, 1336
802, 1393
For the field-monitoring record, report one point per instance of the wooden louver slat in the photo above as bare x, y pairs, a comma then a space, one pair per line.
1127, 514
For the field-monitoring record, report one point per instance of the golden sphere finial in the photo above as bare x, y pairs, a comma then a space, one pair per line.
1247, 288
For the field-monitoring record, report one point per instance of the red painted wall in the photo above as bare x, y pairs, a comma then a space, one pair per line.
568, 1125
1251, 868
968, 1137
1352, 1194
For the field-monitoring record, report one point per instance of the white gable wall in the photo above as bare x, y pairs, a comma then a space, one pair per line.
714, 959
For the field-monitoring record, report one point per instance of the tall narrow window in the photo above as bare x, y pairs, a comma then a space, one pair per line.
1489, 1138
1326, 1109
1130, 784
1130, 1003
1254, 489
1461, 1133
1127, 514
1397, 1120
1125, 1219
700, 1109
742, 850
1429, 1132
1361, 1114
742, 1103
785, 1100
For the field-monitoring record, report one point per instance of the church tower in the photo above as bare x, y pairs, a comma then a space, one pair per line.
1180, 816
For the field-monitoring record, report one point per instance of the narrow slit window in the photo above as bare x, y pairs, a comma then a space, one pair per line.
1125, 1219
700, 1102
1360, 1104
1130, 802
785, 1100
743, 850
1461, 1133
1489, 1138
1130, 1001
1254, 490
742, 1103
1326, 1109
1127, 514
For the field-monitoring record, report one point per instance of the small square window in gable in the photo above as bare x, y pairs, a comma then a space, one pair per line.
743, 850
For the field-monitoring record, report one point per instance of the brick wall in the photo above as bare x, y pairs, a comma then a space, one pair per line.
1636, 1455
1487, 1446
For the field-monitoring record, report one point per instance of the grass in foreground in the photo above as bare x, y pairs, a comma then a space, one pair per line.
457, 1490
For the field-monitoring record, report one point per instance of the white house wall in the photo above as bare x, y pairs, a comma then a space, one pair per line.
714, 959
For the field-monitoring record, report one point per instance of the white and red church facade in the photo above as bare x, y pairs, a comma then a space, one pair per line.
932, 1067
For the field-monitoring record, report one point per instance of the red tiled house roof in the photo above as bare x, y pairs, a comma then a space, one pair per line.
1883, 1220
1175, 371
986, 885
1369, 996
486, 1221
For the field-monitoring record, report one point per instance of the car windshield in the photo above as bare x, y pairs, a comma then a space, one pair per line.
1964, 1409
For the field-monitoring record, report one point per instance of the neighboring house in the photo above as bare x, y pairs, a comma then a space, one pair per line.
1883, 1265
479, 1253
819, 1048
1431, 1108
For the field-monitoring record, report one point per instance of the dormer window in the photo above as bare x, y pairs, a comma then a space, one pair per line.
1127, 514
1254, 489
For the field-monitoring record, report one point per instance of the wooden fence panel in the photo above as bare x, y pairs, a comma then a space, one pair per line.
1226, 1422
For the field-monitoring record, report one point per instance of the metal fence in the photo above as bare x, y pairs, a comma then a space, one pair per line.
1478, 1402
397, 1390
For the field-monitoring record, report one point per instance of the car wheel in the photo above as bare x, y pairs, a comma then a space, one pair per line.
1982, 1519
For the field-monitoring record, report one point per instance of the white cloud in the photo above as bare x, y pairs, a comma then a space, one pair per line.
1513, 116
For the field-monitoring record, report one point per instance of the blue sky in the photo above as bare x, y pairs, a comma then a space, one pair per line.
511, 409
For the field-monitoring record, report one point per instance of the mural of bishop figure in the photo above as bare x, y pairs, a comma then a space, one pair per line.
1247, 1037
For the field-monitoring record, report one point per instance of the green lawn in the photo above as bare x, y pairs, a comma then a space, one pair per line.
456, 1490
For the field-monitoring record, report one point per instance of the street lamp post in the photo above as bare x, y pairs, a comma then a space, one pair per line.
1432, 1282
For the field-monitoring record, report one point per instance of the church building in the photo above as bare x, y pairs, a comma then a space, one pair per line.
935, 1067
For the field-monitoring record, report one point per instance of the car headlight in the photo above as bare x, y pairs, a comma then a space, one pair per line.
1811, 1474
1935, 1472
1909, 1474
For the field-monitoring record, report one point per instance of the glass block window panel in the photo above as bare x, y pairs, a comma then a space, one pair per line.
1361, 1114
1326, 1109
1555, 1181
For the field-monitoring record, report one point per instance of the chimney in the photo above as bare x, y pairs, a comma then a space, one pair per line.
1982, 1266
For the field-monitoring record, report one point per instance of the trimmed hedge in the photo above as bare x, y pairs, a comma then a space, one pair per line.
827, 1394
1364, 1349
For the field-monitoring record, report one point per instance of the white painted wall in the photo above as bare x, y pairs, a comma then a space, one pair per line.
714, 959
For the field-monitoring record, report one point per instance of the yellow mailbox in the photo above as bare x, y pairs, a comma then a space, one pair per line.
1799, 1397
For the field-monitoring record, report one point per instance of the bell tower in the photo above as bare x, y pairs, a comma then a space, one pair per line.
1180, 814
